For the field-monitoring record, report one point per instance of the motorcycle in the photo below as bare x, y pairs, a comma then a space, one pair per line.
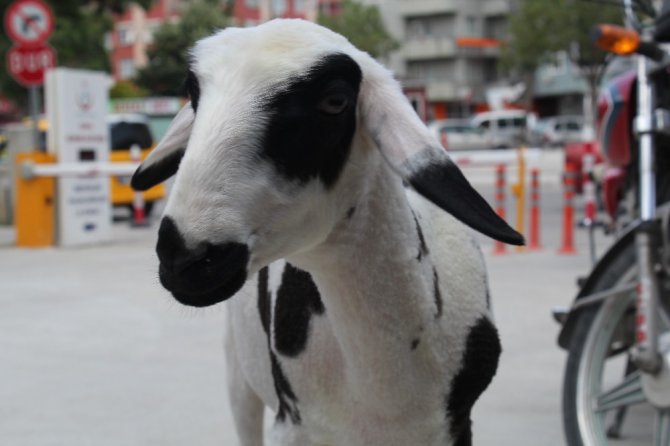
617, 332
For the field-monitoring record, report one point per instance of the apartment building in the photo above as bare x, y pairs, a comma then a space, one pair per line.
450, 51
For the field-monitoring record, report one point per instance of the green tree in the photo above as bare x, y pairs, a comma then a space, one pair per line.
168, 56
539, 29
363, 26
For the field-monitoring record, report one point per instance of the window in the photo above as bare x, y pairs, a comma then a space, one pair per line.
438, 70
251, 3
126, 36
278, 7
300, 6
438, 26
127, 69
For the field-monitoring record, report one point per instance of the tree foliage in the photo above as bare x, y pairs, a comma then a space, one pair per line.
540, 28
363, 26
168, 57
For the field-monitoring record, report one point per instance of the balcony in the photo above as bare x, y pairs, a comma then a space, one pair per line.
496, 7
442, 91
427, 7
429, 48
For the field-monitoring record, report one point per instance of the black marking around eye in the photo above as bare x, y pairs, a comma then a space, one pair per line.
303, 143
192, 86
297, 300
480, 362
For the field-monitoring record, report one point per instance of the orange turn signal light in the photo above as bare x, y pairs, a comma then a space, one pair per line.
616, 39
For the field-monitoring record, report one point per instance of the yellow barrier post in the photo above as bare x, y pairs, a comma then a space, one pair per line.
34, 204
519, 191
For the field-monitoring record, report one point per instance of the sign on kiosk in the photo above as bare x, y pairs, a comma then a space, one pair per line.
76, 104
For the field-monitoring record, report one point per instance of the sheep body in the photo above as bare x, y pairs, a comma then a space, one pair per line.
366, 319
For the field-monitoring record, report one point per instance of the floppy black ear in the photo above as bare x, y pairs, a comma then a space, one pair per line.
164, 159
419, 158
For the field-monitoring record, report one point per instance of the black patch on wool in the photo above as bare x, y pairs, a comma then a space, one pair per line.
302, 140
423, 248
437, 294
264, 304
350, 212
288, 401
192, 87
415, 343
297, 300
480, 362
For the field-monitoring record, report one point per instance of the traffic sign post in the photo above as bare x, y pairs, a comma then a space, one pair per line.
29, 23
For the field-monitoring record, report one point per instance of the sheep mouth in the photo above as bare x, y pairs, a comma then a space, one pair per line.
210, 280
204, 295
213, 296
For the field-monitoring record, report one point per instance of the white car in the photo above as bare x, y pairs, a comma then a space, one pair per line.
506, 128
459, 134
558, 131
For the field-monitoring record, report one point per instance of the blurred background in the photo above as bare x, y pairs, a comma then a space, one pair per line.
94, 351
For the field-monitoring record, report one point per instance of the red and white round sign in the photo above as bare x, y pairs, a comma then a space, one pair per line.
28, 65
29, 22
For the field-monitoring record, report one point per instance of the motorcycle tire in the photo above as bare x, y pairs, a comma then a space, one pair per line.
620, 267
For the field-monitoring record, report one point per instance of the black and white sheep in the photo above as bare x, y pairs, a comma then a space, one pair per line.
308, 187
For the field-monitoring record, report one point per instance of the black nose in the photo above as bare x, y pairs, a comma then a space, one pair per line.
201, 275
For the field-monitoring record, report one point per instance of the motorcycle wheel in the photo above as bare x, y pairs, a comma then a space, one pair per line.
600, 383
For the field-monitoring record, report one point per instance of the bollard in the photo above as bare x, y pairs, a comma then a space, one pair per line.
519, 191
500, 247
139, 217
534, 235
568, 246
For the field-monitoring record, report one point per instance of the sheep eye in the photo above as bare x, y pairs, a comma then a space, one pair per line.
334, 104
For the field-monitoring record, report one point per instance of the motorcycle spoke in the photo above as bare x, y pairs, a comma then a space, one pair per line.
662, 427
626, 393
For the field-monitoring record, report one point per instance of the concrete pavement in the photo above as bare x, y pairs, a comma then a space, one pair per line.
94, 352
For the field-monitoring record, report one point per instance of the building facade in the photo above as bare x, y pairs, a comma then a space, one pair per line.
133, 33
450, 48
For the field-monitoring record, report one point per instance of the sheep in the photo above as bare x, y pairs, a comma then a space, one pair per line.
308, 188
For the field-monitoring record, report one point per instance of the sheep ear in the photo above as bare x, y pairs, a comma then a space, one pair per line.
164, 159
419, 158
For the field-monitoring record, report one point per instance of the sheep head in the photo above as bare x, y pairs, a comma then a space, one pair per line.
280, 126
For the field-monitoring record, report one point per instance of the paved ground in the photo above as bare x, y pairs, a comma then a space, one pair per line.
94, 352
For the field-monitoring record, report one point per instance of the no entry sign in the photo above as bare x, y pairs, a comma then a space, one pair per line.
29, 23
27, 65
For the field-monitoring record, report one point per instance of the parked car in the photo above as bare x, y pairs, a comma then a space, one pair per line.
125, 131
558, 131
505, 128
459, 134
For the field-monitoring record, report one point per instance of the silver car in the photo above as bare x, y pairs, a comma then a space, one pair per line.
460, 134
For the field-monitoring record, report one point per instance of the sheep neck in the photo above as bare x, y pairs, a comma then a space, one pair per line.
378, 293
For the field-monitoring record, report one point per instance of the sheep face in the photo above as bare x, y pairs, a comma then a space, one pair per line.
269, 137
276, 134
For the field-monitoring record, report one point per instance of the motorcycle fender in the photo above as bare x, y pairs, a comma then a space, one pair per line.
588, 288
